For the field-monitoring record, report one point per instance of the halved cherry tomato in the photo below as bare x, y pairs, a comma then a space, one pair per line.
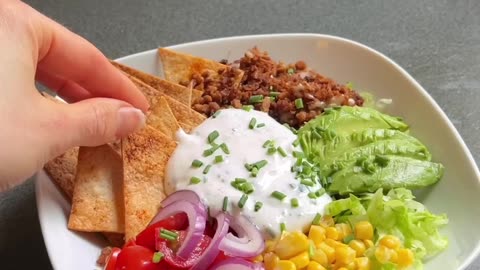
147, 237
112, 259
138, 258
167, 248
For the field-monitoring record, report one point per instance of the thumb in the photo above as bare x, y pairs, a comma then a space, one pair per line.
98, 121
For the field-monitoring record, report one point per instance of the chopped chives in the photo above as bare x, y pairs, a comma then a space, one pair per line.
240, 180
216, 114
320, 192
283, 227
312, 195
157, 257
252, 123
281, 151
268, 143
299, 103
197, 163
296, 143
167, 237
291, 71
195, 180
218, 159
294, 202
242, 200
298, 154
247, 108
207, 168
260, 164
248, 188
260, 125
254, 172
274, 94
258, 206
348, 239
278, 195
249, 167
212, 136
307, 183
169, 232
224, 148
271, 150
210, 151
311, 249
316, 219
255, 99
225, 204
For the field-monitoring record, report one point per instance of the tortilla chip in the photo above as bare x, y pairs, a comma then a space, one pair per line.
162, 119
145, 157
97, 204
62, 171
178, 92
183, 114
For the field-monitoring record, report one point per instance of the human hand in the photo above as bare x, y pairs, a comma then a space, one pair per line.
34, 129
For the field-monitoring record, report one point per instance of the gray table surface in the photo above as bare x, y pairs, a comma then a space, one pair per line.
438, 42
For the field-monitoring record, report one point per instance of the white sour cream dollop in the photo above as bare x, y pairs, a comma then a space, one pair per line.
246, 147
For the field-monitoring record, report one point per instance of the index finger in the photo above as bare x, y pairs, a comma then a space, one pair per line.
73, 58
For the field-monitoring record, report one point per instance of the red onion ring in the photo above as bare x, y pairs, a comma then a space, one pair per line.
209, 254
197, 217
182, 195
249, 242
237, 264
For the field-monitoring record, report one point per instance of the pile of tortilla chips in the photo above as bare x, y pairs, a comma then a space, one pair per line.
116, 189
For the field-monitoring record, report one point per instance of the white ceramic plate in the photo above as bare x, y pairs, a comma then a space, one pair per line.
345, 61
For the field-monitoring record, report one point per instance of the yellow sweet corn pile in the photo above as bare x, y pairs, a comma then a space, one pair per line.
335, 247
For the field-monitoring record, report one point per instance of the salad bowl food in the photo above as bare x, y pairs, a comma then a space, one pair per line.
431, 159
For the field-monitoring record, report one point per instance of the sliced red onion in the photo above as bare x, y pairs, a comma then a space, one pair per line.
237, 264
182, 195
209, 255
249, 242
197, 216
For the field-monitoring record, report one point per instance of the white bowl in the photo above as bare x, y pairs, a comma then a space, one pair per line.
345, 61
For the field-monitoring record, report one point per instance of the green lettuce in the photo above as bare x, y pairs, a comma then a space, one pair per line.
396, 213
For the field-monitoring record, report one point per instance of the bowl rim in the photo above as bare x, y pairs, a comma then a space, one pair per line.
474, 253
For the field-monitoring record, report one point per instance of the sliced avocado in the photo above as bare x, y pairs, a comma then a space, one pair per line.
400, 171
346, 120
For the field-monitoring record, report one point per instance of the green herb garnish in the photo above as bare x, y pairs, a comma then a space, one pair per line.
294, 202
224, 148
212, 136
299, 103
256, 99
252, 123
278, 195
281, 151
218, 159
207, 168
195, 180
316, 219
197, 163
247, 108
258, 206
225, 204
242, 200
157, 257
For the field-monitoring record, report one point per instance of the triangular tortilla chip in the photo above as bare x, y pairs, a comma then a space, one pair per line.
162, 119
178, 92
184, 114
145, 157
62, 171
97, 204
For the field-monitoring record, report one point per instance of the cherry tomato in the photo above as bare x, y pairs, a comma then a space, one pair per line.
137, 258
147, 237
112, 259
172, 259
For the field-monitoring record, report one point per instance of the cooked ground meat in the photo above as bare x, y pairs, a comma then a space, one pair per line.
290, 93
102, 259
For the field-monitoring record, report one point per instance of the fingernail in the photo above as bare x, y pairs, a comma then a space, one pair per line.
129, 120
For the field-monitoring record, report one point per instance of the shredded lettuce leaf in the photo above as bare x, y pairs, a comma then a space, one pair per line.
396, 213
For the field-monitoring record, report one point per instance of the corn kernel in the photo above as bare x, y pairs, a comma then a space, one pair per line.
332, 233
328, 250
270, 260
344, 255
259, 258
317, 234
368, 243
384, 254
334, 244
358, 246
344, 230
315, 266
291, 244
320, 257
364, 230
342, 268
301, 260
270, 245
327, 221
405, 257
390, 241
285, 265
362, 263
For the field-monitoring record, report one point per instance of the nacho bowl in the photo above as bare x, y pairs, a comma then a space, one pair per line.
344, 61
